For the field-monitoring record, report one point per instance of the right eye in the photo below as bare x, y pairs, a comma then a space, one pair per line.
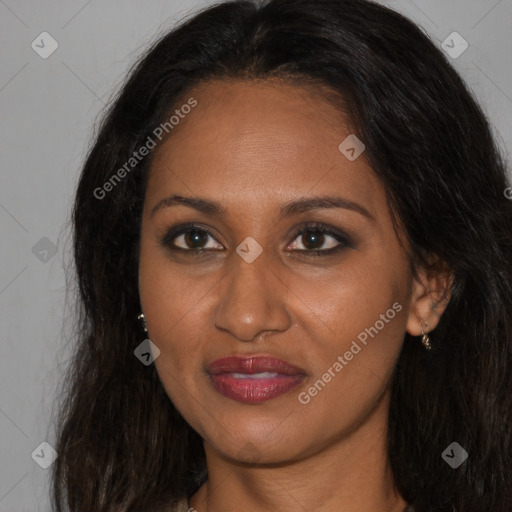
189, 238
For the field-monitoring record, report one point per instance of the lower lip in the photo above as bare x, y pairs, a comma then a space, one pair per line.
253, 391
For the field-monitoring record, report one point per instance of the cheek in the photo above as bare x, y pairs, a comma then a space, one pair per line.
353, 359
173, 303
352, 297
174, 328
358, 314
169, 295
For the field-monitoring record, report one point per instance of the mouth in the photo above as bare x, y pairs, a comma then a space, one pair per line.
254, 379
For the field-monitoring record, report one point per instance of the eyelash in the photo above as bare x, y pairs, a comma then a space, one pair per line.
344, 241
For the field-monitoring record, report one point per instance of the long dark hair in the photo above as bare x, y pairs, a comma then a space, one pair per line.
122, 445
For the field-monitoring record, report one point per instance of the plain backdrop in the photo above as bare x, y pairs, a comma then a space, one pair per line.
48, 109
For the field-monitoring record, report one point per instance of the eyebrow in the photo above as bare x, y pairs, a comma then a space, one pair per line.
291, 208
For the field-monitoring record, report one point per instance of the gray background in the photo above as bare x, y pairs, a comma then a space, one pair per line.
48, 109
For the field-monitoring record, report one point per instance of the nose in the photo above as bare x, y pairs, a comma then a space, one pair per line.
252, 301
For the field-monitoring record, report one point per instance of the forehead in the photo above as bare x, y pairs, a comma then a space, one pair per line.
235, 114
264, 138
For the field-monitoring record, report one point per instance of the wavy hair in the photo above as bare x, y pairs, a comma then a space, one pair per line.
122, 444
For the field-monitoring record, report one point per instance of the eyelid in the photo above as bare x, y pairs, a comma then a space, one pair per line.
342, 238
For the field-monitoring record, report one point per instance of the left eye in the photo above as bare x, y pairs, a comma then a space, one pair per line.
314, 237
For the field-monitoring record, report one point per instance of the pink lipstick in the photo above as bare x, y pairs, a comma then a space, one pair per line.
254, 379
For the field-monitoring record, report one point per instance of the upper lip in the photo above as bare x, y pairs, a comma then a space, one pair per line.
253, 364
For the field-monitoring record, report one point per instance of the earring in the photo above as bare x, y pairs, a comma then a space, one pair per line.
426, 341
142, 319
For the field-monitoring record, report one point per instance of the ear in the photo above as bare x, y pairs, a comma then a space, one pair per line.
431, 292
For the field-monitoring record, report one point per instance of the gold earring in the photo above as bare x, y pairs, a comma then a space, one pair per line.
426, 341
142, 319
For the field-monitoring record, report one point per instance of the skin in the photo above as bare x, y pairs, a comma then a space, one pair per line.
253, 146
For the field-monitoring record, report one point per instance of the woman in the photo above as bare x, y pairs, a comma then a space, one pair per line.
293, 251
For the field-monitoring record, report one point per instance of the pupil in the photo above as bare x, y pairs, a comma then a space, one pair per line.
314, 238
195, 237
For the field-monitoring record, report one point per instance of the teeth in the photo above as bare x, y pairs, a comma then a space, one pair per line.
262, 375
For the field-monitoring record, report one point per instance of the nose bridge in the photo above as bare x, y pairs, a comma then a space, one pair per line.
253, 300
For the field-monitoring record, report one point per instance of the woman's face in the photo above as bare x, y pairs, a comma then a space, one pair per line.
261, 151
